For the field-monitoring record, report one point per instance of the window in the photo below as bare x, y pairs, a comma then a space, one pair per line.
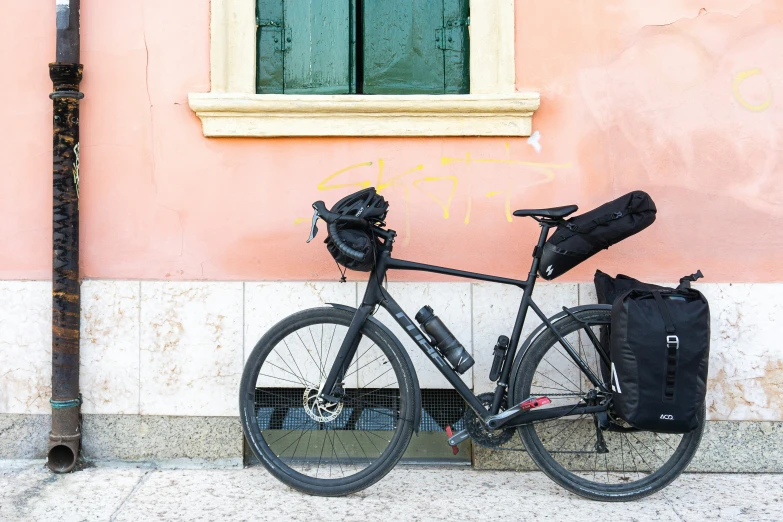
363, 47
491, 106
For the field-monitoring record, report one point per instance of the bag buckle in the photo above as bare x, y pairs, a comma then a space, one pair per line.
673, 340
617, 215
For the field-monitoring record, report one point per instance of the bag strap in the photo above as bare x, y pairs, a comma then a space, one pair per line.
667, 318
595, 223
672, 347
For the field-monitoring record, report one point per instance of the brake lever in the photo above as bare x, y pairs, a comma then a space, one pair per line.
313, 227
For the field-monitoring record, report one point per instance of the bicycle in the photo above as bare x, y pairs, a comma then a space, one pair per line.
346, 405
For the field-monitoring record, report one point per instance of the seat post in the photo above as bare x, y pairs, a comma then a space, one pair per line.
545, 226
502, 387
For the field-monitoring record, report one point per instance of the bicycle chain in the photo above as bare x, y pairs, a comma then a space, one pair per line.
478, 431
520, 450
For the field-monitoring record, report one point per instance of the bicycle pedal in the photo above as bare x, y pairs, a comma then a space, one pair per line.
534, 403
455, 438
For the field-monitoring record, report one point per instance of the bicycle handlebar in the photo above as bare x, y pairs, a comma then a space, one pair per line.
342, 247
331, 219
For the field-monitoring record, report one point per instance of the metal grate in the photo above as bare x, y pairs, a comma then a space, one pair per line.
441, 408
365, 409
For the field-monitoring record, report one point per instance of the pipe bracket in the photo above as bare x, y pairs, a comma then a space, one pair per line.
72, 403
67, 94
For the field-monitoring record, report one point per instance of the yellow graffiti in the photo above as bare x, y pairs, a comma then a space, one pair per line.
741, 77
360, 184
428, 185
380, 185
507, 206
445, 206
467, 159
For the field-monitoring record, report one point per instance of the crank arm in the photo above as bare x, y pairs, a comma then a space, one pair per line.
517, 416
458, 437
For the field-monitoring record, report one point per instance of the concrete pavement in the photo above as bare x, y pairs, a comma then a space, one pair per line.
125, 492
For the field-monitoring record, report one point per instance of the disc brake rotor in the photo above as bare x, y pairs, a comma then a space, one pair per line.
318, 409
478, 431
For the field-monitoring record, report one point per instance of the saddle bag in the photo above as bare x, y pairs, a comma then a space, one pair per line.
587, 234
659, 352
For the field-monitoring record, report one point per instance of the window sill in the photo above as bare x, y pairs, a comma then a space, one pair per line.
278, 115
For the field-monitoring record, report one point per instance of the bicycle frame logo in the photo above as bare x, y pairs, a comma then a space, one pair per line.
434, 355
615, 380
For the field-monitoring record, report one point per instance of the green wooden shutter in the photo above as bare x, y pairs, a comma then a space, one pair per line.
270, 47
304, 46
456, 46
415, 46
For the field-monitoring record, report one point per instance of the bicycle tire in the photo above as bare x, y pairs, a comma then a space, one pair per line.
543, 457
403, 425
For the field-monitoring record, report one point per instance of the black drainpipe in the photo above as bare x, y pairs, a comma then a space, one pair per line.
66, 74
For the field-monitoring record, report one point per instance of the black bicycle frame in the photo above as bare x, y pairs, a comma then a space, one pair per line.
376, 295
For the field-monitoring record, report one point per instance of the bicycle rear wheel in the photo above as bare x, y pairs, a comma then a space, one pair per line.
326, 449
618, 464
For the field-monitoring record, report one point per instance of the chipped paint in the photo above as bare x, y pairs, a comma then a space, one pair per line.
535, 141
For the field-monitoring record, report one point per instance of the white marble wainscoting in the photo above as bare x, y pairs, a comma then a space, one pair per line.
190, 349
746, 355
110, 341
268, 303
177, 348
25, 346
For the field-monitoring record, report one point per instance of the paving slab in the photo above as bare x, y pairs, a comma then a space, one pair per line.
34, 493
122, 492
721, 496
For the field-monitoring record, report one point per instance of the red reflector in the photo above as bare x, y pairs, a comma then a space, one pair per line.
449, 434
534, 403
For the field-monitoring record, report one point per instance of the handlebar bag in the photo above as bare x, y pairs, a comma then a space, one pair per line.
587, 234
659, 351
358, 240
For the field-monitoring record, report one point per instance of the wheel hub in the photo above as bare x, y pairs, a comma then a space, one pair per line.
319, 409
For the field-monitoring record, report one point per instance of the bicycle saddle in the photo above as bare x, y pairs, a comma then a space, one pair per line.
554, 212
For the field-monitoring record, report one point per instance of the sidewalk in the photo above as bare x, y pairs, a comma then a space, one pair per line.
125, 492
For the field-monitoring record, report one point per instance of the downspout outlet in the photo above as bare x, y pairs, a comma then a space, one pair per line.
65, 437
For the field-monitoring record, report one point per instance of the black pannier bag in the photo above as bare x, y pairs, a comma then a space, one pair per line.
587, 234
659, 351
607, 288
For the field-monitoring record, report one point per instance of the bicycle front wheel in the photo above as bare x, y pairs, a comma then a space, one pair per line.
322, 448
615, 464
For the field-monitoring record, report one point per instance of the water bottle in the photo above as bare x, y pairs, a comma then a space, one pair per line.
445, 341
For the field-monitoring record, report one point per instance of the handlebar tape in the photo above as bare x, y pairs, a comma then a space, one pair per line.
332, 217
342, 247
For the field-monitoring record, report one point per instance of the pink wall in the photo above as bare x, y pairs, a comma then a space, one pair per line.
635, 94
